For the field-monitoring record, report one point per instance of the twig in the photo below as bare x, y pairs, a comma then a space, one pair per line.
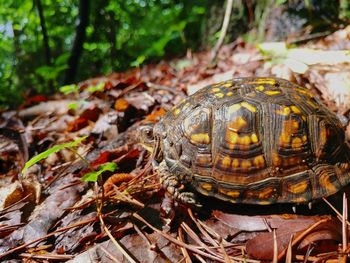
177, 242
289, 251
344, 225
298, 238
335, 210
275, 248
192, 248
8, 209
201, 229
47, 256
183, 250
63, 229
223, 30
343, 256
110, 255
196, 239
116, 243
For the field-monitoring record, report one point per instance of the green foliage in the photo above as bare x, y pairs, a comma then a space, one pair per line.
120, 34
67, 89
52, 150
98, 87
93, 176
345, 9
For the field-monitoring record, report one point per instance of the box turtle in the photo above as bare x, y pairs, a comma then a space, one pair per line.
250, 140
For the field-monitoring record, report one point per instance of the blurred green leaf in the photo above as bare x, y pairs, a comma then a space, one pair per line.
73, 106
99, 87
73, 88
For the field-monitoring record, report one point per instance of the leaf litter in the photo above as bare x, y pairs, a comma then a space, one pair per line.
49, 214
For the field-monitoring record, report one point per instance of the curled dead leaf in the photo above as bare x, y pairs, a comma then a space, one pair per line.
116, 179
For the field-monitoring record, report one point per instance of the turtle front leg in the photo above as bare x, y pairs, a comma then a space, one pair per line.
173, 185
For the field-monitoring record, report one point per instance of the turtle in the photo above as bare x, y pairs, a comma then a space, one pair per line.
252, 140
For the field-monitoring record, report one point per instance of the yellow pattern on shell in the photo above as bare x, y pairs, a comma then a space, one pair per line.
296, 142
231, 138
227, 85
219, 95
245, 164
176, 111
326, 183
266, 193
218, 84
248, 106
305, 92
272, 92
244, 140
260, 88
237, 124
233, 194
312, 104
285, 111
215, 89
284, 138
235, 163
276, 160
259, 161
263, 81
295, 109
206, 186
254, 138
200, 138
233, 108
226, 162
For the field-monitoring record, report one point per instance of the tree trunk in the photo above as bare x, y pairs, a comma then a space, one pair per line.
80, 35
45, 39
44, 32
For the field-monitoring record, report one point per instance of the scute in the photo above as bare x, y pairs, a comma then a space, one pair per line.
257, 140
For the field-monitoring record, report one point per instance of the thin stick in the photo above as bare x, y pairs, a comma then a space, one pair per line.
223, 30
63, 229
275, 247
335, 210
112, 257
190, 247
302, 235
116, 243
289, 251
344, 225
183, 250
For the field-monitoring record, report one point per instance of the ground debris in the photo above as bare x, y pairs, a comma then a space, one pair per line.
49, 212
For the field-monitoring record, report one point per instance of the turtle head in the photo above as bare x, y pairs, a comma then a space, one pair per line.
150, 136
146, 137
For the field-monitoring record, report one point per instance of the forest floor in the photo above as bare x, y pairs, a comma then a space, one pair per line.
70, 206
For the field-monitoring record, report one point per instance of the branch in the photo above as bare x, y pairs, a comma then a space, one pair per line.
223, 30
80, 35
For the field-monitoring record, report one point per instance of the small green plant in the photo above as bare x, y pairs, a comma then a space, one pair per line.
54, 149
68, 89
93, 88
93, 176
89, 177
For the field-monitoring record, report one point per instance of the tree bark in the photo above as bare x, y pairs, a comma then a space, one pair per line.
44, 32
80, 35
45, 40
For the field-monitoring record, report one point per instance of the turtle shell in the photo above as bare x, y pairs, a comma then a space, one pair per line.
258, 141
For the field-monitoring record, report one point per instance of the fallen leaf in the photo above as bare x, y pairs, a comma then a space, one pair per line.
121, 104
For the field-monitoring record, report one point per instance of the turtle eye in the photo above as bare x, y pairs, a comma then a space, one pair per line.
149, 133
